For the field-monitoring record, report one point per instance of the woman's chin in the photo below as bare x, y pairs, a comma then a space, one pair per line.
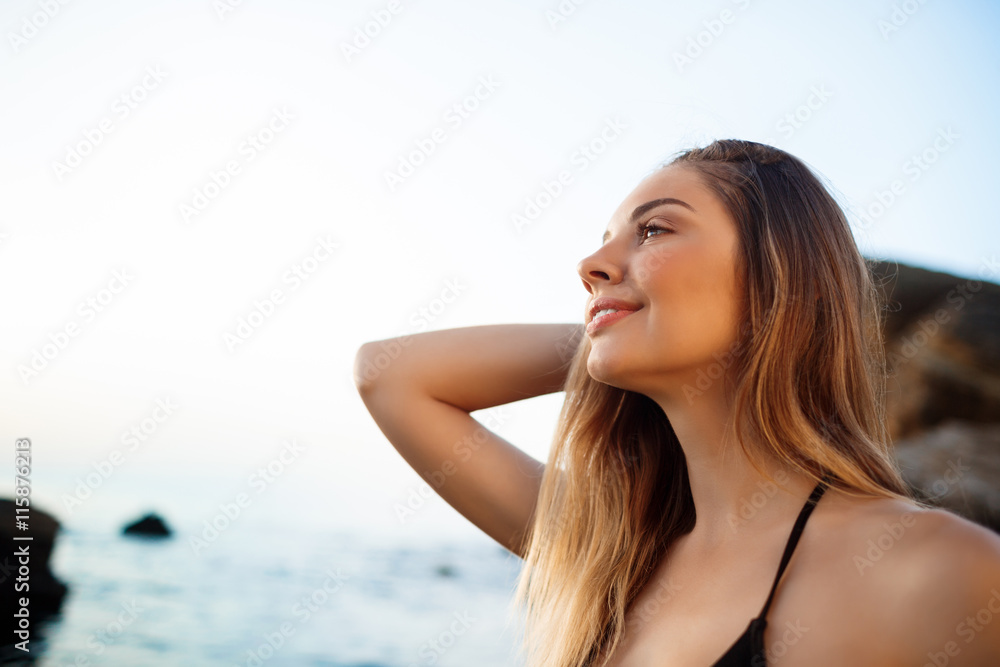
608, 371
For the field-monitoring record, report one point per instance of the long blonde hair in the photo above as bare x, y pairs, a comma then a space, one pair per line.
808, 385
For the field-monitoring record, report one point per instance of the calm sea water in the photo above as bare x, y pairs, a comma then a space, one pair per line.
264, 594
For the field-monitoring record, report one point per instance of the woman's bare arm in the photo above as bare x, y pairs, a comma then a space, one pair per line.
421, 388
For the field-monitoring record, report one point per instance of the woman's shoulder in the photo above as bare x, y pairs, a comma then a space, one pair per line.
907, 532
930, 577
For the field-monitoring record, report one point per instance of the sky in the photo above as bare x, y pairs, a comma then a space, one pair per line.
209, 205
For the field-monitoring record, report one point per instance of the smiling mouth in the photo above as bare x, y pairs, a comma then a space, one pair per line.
606, 317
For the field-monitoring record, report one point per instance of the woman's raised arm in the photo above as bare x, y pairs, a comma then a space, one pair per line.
421, 388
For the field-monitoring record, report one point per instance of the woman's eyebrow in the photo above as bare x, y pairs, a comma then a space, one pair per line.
642, 208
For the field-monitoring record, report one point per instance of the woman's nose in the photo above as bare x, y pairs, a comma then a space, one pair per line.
598, 267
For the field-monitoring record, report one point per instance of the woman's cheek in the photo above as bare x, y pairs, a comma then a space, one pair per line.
653, 263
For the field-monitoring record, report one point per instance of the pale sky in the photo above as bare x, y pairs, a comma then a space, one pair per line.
169, 168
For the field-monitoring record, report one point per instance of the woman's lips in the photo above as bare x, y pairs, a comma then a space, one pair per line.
605, 320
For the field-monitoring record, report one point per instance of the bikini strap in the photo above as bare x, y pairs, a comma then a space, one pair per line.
793, 539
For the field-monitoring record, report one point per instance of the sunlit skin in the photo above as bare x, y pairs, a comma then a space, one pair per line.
682, 271
684, 277
717, 577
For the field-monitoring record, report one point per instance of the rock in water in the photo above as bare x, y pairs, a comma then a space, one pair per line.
45, 593
445, 570
149, 526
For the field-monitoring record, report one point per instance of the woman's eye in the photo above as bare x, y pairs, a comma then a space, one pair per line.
647, 227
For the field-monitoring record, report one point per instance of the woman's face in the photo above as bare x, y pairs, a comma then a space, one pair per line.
669, 257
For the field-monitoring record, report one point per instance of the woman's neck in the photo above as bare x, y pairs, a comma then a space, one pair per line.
732, 499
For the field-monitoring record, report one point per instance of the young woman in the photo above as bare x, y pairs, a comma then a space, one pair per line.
721, 488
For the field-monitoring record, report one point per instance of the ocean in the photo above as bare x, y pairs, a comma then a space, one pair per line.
268, 592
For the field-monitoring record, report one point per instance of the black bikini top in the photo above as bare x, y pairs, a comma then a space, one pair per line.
748, 650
